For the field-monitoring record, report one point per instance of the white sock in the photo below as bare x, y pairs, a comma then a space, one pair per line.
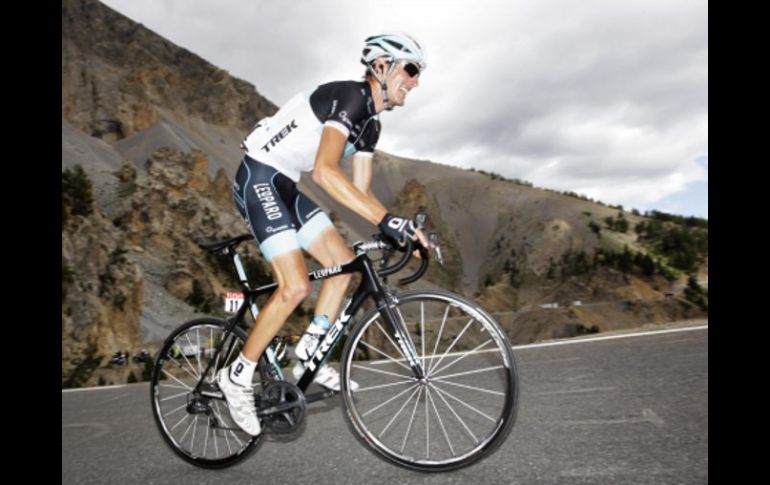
322, 323
242, 371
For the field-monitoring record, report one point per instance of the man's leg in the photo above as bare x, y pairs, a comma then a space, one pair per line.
290, 272
234, 380
330, 249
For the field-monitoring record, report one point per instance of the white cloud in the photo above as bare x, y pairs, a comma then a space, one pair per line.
599, 97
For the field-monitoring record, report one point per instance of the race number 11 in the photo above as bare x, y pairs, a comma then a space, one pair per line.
233, 301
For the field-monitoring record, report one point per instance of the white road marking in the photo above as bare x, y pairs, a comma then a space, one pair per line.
609, 337
574, 391
93, 388
648, 416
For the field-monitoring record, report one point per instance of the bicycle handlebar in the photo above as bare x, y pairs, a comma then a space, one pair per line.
425, 255
401, 262
408, 251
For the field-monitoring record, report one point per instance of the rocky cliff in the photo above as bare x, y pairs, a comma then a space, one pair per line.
119, 78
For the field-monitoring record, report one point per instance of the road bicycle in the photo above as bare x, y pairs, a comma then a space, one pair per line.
438, 385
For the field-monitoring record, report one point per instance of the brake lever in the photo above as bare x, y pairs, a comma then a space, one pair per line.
435, 248
420, 218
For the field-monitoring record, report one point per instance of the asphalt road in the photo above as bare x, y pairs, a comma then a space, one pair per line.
631, 410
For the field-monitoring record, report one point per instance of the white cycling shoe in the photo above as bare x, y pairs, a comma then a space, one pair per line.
240, 401
326, 376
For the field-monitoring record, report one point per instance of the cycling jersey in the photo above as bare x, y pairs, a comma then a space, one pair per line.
282, 146
289, 139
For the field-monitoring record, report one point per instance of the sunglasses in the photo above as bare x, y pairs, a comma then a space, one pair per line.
412, 69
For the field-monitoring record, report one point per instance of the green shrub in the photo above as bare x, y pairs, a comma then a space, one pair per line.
76, 190
695, 294
84, 368
147, 370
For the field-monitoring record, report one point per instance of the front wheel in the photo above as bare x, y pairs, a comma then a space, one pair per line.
464, 407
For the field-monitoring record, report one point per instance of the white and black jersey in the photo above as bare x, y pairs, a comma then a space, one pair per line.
288, 140
283, 146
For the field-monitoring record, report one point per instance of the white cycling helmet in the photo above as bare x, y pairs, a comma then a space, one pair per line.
394, 46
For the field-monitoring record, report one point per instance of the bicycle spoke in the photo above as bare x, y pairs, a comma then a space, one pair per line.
224, 431
210, 351
206, 439
464, 355
187, 336
187, 430
422, 331
379, 371
438, 339
386, 402
171, 386
200, 352
485, 369
462, 402
181, 420
183, 368
391, 341
186, 359
174, 396
442, 381
465, 426
411, 420
214, 433
398, 413
177, 409
454, 342
427, 426
194, 429
385, 355
227, 442
362, 389
441, 423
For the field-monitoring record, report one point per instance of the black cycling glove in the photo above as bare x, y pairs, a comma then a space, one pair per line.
397, 228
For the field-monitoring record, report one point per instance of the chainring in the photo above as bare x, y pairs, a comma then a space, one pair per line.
288, 397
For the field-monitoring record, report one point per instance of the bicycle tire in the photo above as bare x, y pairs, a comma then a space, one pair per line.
158, 395
357, 359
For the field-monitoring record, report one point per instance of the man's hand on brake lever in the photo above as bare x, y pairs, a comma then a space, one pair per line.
400, 229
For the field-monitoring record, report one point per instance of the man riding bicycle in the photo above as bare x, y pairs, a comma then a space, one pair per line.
314, 131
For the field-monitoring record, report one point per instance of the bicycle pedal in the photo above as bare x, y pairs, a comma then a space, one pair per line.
318, 396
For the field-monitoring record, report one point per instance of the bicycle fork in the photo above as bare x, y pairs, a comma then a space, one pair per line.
401, 334
386, 303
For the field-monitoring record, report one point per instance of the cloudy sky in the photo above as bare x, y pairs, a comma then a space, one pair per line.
605, 98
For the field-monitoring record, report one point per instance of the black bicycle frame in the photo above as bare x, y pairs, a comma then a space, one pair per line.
370, 287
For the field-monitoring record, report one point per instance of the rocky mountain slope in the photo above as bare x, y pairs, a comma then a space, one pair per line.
156, 130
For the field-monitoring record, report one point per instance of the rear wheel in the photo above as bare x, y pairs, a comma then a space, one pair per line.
197, 425
460, 412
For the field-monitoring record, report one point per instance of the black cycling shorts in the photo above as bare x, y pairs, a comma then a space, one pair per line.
281, 217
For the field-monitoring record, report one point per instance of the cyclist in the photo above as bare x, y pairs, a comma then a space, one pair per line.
314, 131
